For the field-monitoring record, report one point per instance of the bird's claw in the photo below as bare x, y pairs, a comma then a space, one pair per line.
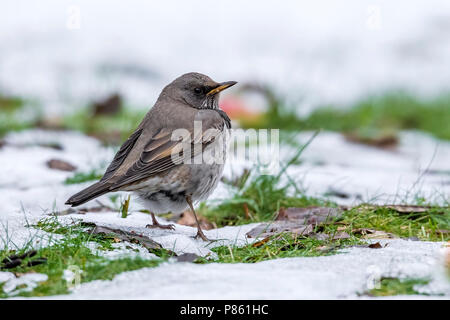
161, 226
201, 235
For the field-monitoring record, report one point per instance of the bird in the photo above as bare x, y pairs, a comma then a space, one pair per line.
175, 157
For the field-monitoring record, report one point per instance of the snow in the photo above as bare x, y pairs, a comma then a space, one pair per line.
328, 277
30, 191
312, 53
26, 282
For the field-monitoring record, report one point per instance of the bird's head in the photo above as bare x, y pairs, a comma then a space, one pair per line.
197, 90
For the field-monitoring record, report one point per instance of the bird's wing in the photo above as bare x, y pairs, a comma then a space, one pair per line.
122, 154
164, 150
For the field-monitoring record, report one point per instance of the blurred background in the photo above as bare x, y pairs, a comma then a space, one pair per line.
366, 68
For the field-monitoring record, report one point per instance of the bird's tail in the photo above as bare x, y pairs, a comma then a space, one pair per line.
92, 192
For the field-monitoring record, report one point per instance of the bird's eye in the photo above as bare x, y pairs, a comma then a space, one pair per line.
198, 90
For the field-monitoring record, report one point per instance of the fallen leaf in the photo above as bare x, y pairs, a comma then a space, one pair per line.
127, 236
308, 215
261, 242
373, 234
187, 257
325, 249
299, 221
320, 236
188, 219
325, 236
341, 235
36, 262
337, 193
380, 235
60, 165
291, 246
246, 212
269, 229
363, 231
109, 106
408, 209
51, 145
376, 245
378, 139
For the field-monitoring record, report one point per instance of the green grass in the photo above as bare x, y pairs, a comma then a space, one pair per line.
18, 114
14, 115
259, 201
376, 116
109, 128
394, 286
80, 177
10, 104
124, 207
72, 251
424, 226
258, 197
280, 246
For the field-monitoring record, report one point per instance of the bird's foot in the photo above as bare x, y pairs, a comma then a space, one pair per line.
201, 235
161, 226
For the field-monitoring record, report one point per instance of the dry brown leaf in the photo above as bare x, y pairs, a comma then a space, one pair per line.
341, 235
320, 236
247, 214
376, 245
188, 219
373, 234
299, 221
363, 231
381, 140
261, 242
269, 229
123, 235
308, 215
109, 106
408, 209
187, 257
380, 235
60, 165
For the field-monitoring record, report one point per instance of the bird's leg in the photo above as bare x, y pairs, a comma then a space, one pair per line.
156, 224
200, 233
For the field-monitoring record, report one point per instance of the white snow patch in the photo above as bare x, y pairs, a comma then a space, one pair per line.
29, 281
5, 276
30, 190
328, 277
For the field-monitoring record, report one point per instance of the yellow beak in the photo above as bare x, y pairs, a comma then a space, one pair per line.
222, 86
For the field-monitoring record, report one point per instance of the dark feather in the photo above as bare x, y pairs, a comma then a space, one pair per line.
121, 154
91, 192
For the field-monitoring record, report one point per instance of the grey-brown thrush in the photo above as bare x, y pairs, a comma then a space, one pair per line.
145, 163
